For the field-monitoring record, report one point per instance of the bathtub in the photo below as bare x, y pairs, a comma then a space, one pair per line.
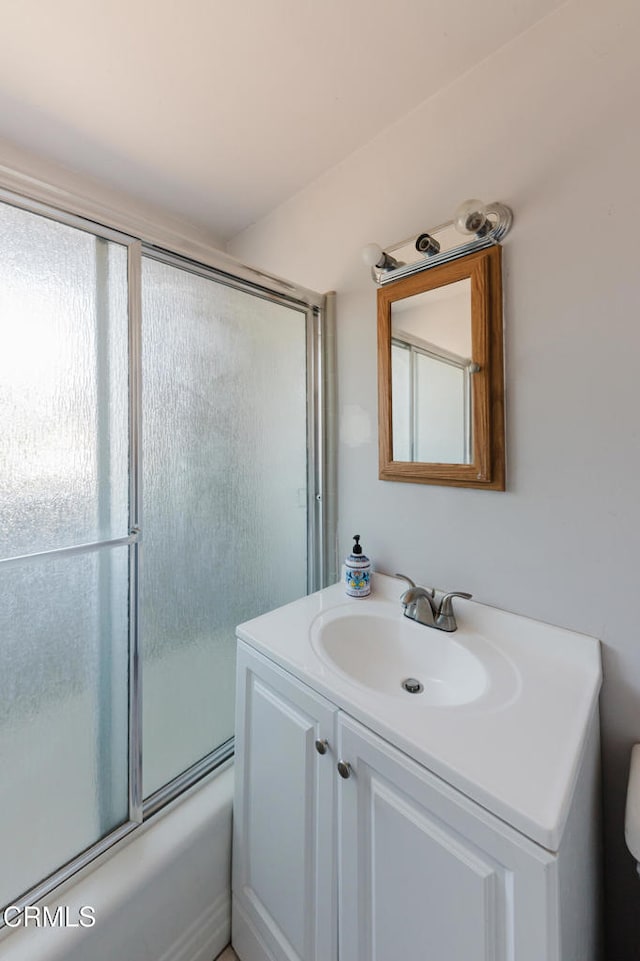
162, 894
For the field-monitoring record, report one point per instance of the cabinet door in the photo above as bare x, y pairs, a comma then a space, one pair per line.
284, 888
428, 875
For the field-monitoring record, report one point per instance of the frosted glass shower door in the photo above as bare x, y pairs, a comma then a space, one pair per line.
224, 413
64, 524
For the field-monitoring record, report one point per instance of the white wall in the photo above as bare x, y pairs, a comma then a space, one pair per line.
551, 121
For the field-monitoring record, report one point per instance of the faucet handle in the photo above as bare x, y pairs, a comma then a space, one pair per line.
446, 607
403, 577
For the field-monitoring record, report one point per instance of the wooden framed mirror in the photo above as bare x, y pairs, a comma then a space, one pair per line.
440, 375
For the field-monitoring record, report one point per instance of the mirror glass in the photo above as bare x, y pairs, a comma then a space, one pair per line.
440, 374
430, 369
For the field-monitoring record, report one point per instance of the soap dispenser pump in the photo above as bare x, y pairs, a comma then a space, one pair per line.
357, 571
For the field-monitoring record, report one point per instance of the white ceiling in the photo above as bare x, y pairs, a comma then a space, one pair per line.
219, 111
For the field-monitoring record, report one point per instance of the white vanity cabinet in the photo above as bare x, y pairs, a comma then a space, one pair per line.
427, 874
388, 863
284, 833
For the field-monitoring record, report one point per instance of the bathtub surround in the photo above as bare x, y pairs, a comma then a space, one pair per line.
163, 892
172, 768
547, 124
163, 896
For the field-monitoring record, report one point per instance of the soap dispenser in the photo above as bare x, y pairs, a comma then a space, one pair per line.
357, 571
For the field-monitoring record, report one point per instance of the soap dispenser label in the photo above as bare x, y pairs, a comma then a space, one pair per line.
357, 583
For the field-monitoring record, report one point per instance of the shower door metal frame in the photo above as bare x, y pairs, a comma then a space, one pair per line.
319, 563
135, 815
314, 311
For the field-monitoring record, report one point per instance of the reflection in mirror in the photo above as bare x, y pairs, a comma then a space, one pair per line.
441, 382
430, 370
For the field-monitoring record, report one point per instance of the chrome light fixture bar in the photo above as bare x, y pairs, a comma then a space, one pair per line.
483, 225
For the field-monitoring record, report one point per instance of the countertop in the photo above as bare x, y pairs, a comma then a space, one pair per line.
516, 750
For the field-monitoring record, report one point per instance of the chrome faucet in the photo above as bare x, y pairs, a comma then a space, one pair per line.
430, 607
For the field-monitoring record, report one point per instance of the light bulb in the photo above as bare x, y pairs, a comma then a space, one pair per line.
427, 245
471, 217
372, 255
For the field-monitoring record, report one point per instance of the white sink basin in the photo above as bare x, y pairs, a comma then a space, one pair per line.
381, 651
506, 704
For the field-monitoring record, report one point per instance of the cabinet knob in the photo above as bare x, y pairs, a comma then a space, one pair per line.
322, 746
344, 769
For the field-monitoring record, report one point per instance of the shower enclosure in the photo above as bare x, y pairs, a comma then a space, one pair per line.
161, 479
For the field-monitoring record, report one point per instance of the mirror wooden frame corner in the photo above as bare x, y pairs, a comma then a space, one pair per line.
487, 469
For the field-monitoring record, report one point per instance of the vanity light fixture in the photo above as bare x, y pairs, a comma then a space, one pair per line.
482, 225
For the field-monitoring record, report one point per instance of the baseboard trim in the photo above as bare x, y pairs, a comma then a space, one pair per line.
246, 940
206, 937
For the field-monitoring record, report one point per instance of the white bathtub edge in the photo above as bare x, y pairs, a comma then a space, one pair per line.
163, 894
